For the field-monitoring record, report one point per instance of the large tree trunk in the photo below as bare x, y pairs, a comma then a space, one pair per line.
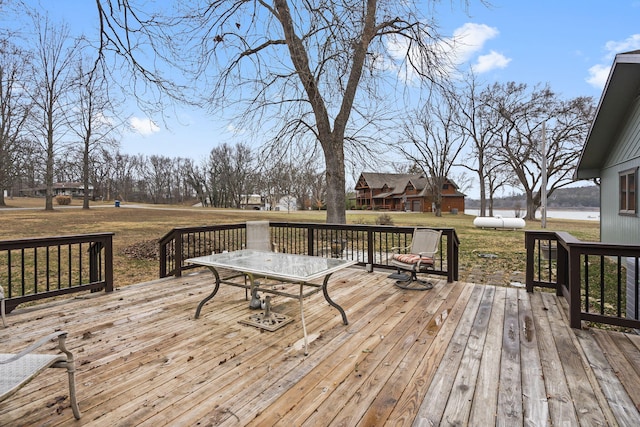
531, 206
336, 198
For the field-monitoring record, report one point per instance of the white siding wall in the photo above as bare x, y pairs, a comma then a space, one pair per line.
615, 228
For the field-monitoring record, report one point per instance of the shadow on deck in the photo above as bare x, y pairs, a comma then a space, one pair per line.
458, 354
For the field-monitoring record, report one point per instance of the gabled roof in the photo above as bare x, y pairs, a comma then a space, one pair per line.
620, 91
397, 182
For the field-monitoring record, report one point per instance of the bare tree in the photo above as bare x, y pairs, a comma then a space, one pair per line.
125, 176
91, 119
480, 122
314, 68
51, 73
14, 111
524, 112
434, 142
156, 177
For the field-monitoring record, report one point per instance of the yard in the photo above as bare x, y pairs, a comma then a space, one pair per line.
485, 255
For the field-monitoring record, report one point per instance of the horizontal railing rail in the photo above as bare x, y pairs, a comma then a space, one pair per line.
598, 280
371, 246
45, 267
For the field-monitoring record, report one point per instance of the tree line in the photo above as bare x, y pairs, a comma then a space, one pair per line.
60, 122
504, 134
575, 197
316, 76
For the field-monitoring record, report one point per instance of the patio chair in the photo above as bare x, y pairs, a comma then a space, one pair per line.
16, 370
416, 258
259, 239
259, 236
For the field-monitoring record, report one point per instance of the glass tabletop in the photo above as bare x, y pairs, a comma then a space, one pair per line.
274, 264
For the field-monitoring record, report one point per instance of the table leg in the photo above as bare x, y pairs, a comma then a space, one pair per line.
215, 290
330, 301
304, 326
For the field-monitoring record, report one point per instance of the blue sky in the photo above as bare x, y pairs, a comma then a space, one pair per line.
568, 44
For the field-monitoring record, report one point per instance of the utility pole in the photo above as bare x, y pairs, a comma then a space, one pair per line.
543, 185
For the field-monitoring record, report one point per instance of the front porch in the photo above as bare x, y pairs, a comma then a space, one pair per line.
458, 354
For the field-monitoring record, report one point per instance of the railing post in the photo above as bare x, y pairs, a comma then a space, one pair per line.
310, 241
574, 289
562, 268
163, 258
451, 257
95, 252
370, 248
108, 264
529, 244
177, 254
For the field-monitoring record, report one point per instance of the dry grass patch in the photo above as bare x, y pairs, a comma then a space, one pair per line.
135, 228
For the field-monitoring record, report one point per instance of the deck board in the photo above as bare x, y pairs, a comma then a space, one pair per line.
561, 408
460, 354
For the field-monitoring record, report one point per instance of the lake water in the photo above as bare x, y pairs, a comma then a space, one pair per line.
587, 215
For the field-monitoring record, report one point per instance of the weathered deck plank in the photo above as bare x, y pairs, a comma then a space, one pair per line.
584, 397
510, 389
435, 400
459, 354
534, 397
485, 398
561, 409
458, 406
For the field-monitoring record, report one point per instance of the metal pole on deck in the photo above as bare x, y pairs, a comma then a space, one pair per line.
543, 185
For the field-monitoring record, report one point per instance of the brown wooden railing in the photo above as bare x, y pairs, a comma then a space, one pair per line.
598, 280
369, 245
38, 268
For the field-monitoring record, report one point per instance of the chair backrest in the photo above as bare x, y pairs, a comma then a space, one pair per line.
259, 236
425, 240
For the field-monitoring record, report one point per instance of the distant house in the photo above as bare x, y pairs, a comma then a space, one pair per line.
404, 192
73, 189
612, 153
251, 201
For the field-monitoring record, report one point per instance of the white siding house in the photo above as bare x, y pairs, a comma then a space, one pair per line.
612, 154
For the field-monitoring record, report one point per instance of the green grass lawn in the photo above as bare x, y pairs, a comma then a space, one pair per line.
132, 227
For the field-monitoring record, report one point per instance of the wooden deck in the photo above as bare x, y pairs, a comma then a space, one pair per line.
456, 355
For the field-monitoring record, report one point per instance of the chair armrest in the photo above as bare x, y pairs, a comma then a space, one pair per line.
61, 335
397, 249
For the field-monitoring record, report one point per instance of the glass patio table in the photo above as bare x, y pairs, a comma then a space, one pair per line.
282, 267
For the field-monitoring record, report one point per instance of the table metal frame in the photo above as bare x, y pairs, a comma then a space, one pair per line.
251, 272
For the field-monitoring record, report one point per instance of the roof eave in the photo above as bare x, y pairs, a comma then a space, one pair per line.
620, 91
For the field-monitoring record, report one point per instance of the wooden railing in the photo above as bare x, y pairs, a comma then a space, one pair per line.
369, 245
38, 268
598, 280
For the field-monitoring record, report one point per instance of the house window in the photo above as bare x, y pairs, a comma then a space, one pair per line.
628, 191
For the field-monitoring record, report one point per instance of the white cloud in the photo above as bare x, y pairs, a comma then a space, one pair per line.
470, 39
630, 43
143, 126
599, 73
467, 41
489, 62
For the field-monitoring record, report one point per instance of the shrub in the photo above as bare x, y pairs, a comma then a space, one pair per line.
384, 219
63, 200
